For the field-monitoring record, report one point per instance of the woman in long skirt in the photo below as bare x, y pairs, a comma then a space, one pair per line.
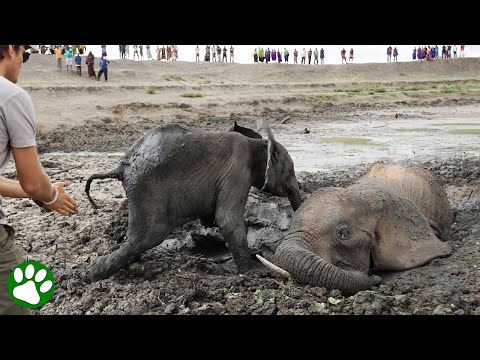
149, 54
90, 63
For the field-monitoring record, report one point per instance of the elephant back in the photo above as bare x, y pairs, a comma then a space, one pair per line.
416, 184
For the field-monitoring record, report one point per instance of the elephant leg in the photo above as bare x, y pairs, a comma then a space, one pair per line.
146, 229
229, 218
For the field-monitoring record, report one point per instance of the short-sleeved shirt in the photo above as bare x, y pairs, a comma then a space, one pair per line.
58, 53
17, 124
68, 53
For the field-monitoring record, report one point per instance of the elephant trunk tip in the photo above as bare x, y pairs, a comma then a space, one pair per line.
274, 267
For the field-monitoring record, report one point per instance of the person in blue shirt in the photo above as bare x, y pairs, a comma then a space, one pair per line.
78, 64
103, 68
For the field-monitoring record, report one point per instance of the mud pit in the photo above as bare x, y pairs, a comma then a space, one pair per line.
192, 271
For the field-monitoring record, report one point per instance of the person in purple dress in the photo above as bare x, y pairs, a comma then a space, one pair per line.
90, 63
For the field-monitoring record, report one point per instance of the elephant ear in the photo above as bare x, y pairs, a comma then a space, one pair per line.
244, 131
262, 125
404, 238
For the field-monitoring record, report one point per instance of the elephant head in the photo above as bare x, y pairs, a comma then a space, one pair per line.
339, 234
272, 167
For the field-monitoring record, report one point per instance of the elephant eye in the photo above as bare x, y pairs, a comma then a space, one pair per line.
343, 232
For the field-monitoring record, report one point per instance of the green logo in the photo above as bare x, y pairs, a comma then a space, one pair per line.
31, 284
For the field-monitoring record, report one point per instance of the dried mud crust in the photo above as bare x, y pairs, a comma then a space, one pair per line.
124, 124
192, 271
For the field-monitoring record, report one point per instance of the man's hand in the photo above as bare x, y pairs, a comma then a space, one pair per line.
64, 205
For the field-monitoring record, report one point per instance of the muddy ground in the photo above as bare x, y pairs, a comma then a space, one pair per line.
192, 271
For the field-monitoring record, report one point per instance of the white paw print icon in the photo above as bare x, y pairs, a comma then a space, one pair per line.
35, 288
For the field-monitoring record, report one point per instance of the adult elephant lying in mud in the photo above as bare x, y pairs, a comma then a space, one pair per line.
175, 174
387, 220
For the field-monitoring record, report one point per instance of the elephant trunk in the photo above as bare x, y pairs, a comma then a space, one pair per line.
295, 256
293, 193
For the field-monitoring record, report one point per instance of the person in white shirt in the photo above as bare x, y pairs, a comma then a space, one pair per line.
197, 54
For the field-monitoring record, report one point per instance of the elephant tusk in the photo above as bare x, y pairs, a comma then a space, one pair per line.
274, 267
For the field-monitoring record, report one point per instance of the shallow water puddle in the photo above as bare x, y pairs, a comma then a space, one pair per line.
352, 143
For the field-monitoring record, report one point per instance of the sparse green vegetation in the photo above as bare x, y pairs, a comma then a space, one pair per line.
465, 131
150, 90
350, 141
411, 88
173, 77
413, 129
324, 97
449, 89
192, 95
456, 124
379, 89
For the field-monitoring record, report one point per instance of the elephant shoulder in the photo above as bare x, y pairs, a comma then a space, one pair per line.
234, 138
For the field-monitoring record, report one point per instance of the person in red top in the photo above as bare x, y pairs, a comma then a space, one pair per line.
343, 52
351, 55
462, 50
309, 56
295, 57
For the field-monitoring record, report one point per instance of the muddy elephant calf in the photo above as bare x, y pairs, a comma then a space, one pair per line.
175, 174
388, 220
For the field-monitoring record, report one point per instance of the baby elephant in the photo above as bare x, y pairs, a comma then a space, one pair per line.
175, 174
390, 219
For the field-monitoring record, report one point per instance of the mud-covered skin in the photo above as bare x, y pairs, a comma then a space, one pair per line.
175, 174
181, 282
339, 233
421, 187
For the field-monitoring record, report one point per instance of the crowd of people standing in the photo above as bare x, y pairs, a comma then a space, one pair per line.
432, 52
216, 53
74, 53
168, 53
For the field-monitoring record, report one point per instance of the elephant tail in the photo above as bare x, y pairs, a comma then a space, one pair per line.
116, 173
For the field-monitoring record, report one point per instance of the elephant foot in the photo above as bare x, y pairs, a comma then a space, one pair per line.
102, 268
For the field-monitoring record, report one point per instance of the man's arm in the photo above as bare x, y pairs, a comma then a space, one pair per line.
31, 176
11, 188
36, 184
